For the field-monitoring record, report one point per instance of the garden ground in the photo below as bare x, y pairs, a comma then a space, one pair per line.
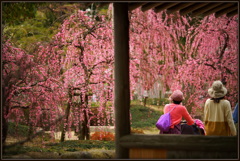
142, 121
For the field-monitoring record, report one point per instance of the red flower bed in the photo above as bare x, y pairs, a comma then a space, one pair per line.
102, 135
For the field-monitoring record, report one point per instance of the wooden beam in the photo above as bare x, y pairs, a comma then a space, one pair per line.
205, 8
230, 14
178, 7
164, 6
149, 6
121, 77
191, 8
173, 142
218, 8
133, 6
226, 10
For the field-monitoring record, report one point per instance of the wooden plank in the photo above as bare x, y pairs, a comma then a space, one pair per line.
149, 6
191, 8
141, 153
181, 142
226, 10
133, 6
205, 8
164, 6
218, 8
230, 14
178, 7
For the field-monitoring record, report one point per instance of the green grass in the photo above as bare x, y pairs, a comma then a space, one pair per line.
86, 144
143, 117
17, 130
66, 146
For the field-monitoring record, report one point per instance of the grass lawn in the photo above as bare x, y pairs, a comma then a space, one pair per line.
143, 120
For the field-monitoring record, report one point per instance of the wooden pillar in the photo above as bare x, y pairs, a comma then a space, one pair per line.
121, 75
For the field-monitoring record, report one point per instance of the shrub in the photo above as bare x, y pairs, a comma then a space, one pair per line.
102, 135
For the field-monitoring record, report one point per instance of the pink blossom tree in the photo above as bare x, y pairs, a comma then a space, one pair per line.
30, 88
87, 61
189, 53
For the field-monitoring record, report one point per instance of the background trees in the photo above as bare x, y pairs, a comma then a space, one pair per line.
188, 53
87, 63
59, 61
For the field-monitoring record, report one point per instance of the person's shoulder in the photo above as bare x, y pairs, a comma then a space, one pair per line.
167, 105
225, 102
208, 100
181, 107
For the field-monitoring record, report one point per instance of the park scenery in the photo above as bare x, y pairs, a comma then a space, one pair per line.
58, 74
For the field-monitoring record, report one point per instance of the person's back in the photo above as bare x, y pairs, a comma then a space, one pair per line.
217, 112
218, 118
177, 112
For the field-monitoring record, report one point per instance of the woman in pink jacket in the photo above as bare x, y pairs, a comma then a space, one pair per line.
179, 111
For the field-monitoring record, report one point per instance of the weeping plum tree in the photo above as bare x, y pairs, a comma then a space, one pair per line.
188, 53
75, 65
213, 56
146, 30
30, 89
87, 63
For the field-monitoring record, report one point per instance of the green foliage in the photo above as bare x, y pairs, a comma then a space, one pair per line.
30, 32
157, 101
17, 130
94, 104
161, 62
67, 146
23, 149
143, 117
14, 13
22, 131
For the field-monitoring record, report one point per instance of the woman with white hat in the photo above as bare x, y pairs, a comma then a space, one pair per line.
218, 118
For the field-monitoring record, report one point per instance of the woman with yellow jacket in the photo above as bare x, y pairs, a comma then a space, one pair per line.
218, 118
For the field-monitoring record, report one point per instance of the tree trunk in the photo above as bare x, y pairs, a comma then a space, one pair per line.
67, 112
81, 135
84, 130
30, 130
86, 118
145, 101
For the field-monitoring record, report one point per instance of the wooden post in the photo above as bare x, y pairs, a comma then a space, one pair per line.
121, 75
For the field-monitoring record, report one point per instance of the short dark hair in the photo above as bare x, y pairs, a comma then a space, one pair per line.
177, 102
217, 100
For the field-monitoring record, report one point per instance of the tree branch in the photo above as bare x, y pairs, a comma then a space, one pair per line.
210, 65
23, 107
226, 38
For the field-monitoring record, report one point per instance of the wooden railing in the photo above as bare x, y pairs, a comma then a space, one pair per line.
180, 146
